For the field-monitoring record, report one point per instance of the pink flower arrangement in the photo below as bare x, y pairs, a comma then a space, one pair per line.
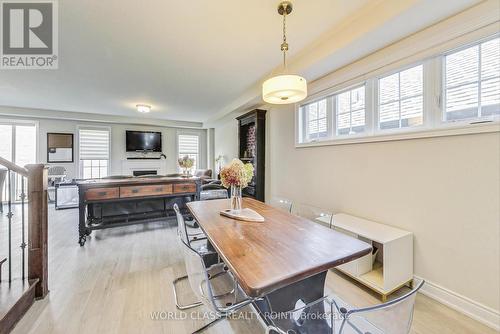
236, 174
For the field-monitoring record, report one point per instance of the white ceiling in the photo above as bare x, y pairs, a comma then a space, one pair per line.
189, 59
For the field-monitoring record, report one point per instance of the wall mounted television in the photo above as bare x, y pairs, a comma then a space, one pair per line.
143, 141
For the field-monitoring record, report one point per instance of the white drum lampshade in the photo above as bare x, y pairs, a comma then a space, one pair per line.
284, 89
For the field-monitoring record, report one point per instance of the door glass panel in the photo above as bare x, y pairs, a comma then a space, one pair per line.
6, 141
25, 145
25, 149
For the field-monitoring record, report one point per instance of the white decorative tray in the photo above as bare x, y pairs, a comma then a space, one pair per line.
243, 214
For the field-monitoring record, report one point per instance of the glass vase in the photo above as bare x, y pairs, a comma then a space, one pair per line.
236, 198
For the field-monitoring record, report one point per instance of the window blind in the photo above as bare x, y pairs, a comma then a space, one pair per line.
94, 144
472, 81
189, 145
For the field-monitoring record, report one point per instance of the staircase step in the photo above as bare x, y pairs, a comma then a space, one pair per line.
15, 299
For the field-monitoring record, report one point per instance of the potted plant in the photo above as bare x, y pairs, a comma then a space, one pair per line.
186, 163
236, 175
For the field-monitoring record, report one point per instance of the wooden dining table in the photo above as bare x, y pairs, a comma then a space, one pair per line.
283, 259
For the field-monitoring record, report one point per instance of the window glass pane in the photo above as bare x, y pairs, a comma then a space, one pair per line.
411, 82
343, 103
313, 111
358, 121
462, 101
358, 98
103, 171
411, 111
405, 106
343, 123
6, 141
317, 119
322, 109
462, 67
389, 115
86, 173
350, 106
490, 59
389, 88
490, 91
472, 82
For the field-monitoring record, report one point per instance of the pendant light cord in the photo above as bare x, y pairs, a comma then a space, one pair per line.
284, 45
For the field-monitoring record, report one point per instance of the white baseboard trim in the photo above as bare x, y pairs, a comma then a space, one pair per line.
462, 304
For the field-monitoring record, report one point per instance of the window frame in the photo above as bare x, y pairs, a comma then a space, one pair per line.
98, 128
433, 124
376, 93
334, 102
198, 154
442, 93
305, 123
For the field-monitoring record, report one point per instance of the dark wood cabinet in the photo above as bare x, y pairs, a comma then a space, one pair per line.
252, 149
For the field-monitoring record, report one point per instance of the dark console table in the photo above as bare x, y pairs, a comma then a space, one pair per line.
106, 203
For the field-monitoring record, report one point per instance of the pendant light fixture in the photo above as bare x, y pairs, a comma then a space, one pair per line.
285, 88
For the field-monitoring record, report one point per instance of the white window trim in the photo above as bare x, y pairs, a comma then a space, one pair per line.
79, 167
433, 124
189, 133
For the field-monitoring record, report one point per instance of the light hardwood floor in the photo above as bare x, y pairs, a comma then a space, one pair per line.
122, 275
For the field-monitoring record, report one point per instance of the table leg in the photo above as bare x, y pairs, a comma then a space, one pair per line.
285, 299
82, 229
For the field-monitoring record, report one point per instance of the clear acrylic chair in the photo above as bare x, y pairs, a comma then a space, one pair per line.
281, 203
313, 213
392, 317
313, 318
202, 247
206, 286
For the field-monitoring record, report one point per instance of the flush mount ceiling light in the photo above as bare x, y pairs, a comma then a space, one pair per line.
285, 88
143, 108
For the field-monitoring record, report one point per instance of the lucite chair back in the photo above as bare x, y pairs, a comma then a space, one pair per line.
198, 276
313, 213
392, 317
181, 225
281, 203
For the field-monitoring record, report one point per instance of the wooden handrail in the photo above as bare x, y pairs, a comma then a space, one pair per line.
12, 166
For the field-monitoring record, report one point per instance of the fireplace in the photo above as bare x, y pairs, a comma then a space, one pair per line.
144, 172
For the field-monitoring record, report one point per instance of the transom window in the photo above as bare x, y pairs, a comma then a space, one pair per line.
472, 82
454, 89
350, 111
401, 99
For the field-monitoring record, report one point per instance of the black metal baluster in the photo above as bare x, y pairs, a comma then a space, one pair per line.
9, 215
23, 242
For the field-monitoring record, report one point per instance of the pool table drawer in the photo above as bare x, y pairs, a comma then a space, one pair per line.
140, 191
94, 194
184, 188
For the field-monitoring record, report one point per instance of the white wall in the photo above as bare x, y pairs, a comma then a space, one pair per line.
117, 141
226, 139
